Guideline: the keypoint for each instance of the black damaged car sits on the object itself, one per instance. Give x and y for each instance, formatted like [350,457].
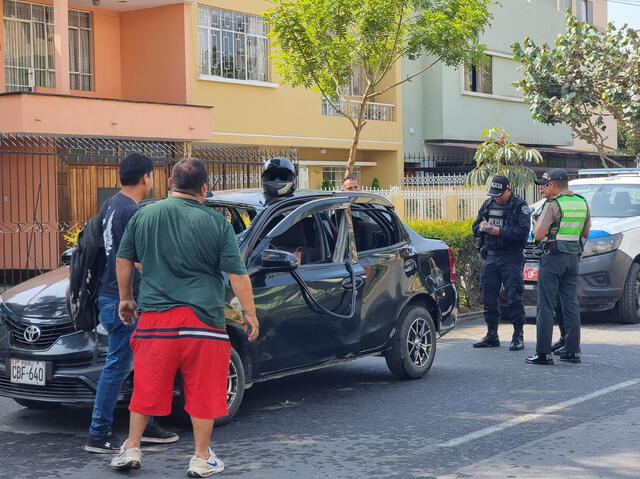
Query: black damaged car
[336,276]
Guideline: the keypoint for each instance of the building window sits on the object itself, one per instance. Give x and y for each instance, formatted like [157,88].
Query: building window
[479,78]
[29,54]
[80,64]
[335,174]
[585,11]
[29,47]
[233,45]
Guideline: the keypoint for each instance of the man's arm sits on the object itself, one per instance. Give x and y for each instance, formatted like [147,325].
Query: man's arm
[124,273]
[479,219]
[586,228]
[520,230]
[241,285]
[545,221]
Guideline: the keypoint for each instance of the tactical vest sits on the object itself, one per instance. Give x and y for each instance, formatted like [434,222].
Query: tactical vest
[497,215]
[573,216]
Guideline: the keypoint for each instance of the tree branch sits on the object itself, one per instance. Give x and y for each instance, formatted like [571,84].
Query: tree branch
[409,78]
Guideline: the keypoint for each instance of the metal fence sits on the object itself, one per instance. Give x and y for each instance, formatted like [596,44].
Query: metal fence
[50,186]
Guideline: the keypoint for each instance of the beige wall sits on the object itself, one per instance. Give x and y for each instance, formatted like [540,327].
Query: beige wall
[600,17]
[281,116]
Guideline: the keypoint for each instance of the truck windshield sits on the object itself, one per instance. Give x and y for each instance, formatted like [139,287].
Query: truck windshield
[611,200]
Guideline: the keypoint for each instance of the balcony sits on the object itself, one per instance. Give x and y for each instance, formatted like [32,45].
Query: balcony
[67,115]
[373,110]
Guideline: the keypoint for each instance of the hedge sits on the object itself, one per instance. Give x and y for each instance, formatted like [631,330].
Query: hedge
[459,236]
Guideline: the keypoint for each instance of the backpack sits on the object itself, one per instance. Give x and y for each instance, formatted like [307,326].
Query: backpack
[87,262]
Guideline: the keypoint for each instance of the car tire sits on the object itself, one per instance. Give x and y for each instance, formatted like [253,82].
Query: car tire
[33,404]
[414,344]
[627,307]
[235,388]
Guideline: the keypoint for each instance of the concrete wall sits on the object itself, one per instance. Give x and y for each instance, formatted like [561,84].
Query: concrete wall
[445,111]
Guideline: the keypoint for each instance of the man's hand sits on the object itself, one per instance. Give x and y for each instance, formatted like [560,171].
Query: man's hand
[128,311]
[251,326]
[495,231]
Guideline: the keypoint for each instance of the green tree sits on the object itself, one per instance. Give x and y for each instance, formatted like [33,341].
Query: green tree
[498,155]
[319,44]
[588,76]
[327,184]
[375,184]
[628,141]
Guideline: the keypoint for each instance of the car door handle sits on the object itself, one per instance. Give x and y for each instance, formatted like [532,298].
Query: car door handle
[346,283]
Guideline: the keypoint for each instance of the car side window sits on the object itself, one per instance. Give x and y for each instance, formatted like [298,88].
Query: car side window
[374,228]
[306,240]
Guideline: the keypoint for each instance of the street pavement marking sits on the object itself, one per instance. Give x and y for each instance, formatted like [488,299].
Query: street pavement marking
[530,417]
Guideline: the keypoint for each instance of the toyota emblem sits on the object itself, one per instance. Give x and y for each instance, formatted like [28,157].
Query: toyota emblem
[32,334]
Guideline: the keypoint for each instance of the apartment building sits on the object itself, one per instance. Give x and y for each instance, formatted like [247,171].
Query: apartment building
[83,82]
[447,109]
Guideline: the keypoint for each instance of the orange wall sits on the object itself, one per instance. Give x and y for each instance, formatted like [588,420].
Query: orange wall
[29,193]
[154,62]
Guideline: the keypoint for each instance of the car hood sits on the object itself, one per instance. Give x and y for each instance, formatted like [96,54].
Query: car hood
[614,225]
[40,297]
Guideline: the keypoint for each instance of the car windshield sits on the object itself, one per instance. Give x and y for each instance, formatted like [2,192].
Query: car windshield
[611,200]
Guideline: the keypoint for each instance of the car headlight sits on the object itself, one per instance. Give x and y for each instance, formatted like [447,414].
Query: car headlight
[604,244]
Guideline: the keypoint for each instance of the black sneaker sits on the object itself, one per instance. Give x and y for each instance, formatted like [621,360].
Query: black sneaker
[154,433]
[103,445]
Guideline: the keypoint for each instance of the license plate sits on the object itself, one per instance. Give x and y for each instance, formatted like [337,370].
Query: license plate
[530,272]
[28,372]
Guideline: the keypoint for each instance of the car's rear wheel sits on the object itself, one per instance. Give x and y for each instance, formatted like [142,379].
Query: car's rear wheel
[414,344]
[627,307]
[33,404]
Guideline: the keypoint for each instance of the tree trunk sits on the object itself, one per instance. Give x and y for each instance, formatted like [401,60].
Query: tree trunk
[360,122]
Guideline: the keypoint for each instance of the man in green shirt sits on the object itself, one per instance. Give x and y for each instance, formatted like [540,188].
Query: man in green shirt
[183,247]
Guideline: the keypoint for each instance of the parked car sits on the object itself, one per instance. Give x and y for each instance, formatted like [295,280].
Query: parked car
[336,276]
[609,275]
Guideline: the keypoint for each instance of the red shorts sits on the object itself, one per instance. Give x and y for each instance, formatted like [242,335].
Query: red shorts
[173,340]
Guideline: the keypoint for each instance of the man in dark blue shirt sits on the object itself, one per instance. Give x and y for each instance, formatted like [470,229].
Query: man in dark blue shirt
[136,179]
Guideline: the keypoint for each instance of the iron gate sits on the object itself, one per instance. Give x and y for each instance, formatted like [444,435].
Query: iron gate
[50,186]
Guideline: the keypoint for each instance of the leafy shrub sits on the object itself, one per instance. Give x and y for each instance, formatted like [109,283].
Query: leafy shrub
[375,184]
[327,184]
[459,236]
[71,236]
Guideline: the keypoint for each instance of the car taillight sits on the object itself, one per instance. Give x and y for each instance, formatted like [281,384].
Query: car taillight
[452,265]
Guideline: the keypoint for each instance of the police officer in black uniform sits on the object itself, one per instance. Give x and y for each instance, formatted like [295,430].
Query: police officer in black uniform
[502,227]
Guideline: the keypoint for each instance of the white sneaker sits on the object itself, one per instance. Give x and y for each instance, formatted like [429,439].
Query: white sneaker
[200,468]
[127,458]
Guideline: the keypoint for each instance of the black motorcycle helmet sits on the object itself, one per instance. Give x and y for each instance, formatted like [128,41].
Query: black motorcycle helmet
[279,177]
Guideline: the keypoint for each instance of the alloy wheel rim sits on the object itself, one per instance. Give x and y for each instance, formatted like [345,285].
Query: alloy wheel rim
[232,384]
[419,342]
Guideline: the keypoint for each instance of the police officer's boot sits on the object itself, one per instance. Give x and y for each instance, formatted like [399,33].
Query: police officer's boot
[517,340]
[491,339]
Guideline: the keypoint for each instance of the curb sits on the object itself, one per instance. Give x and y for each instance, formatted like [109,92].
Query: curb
[470,314]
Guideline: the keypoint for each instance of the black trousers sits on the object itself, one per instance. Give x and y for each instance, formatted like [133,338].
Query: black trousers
[498,271]
[558,281]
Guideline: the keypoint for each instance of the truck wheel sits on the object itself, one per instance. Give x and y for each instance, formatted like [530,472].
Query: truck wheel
[627,307]
[414,344]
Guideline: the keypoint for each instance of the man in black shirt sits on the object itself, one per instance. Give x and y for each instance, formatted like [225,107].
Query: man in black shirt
[136,179]
[502,227]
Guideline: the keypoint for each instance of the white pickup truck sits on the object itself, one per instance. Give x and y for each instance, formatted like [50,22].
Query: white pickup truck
[609,276]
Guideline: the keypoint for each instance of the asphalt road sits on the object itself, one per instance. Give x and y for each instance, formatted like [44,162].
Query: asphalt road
[477,414]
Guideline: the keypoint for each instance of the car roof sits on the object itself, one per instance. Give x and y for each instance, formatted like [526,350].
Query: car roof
[254,198]
[623,179]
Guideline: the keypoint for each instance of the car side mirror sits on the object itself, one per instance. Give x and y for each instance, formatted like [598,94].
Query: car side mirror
[278,260]
[65,258]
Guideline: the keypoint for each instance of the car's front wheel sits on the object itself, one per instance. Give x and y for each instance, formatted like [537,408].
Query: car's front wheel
[627,307]
[235,388]
[414,344]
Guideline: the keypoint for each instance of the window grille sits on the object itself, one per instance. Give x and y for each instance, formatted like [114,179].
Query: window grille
[335,174]
[233,44]
[29,54]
